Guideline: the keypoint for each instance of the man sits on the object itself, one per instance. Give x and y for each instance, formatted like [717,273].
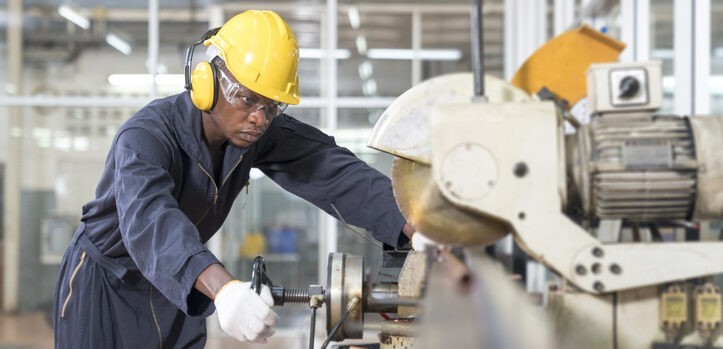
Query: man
[137,273]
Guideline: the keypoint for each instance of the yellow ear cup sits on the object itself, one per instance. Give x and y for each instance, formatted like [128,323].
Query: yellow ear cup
[203,86]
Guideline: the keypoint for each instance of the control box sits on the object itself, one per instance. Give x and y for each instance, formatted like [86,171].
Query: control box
[624,87]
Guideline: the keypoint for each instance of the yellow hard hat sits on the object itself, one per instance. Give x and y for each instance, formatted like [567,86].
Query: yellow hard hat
[261,52]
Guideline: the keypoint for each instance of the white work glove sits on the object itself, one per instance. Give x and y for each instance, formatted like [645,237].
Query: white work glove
[244,314]
[419,241]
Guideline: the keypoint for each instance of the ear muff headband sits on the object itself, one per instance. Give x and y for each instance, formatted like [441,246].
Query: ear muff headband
[201,82]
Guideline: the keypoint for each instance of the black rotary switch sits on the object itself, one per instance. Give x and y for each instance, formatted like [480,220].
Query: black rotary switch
[629,87]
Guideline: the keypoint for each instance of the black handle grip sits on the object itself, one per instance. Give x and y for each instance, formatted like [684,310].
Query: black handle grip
[258,274]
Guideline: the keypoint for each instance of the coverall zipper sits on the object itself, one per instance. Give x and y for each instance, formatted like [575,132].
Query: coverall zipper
[70,283]
[216,187]
[155,319]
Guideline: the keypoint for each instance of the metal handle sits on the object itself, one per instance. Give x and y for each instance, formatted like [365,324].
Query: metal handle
[258,274]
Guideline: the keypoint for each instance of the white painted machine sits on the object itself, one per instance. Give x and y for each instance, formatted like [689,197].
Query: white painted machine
[470,172]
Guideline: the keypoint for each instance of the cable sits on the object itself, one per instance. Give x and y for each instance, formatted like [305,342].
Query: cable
[349,307]
[313,328]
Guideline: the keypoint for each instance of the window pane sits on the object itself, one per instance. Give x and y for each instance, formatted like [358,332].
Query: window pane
[378,45]
[661,34]
[716,60]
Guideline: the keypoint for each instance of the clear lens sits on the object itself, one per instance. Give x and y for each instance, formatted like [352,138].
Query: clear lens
[243,99]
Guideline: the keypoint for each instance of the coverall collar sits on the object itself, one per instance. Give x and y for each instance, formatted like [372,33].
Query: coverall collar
[188,127]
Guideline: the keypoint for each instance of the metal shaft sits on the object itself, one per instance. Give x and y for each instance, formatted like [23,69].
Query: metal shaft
[477,48]
[296,295]
[382,297]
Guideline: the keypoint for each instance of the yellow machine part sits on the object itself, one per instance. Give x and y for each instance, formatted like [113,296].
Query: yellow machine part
[560,64]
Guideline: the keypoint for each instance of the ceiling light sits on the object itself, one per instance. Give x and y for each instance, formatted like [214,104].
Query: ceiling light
[145,79]
[317,53]
[119,43]
[369,88]
[365,70]
[354,18]
[426,54]
[74,16]
[361,44]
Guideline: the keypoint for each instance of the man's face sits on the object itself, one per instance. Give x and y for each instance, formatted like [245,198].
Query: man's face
[239,127]
[240,115]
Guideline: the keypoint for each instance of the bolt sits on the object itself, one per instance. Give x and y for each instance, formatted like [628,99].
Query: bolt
[580,269]
[598,286]
[316,290]
[521,215]
[521,169]
[597,252]
[615,269]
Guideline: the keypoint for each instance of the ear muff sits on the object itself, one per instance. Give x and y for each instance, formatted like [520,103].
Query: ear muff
[201,82]
[204,86]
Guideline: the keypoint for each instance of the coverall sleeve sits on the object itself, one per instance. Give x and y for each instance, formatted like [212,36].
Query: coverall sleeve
[308,163]
[163,242]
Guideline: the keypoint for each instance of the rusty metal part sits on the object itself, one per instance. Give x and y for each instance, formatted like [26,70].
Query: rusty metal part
[397,334]
[411,282]
[424,206]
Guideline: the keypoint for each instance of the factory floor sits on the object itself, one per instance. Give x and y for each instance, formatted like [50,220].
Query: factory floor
[31,331]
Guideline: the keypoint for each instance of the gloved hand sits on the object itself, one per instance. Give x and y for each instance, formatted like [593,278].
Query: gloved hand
[419,241]
[244,314]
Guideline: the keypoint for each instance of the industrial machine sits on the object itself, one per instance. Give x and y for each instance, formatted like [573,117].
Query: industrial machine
[469,172]
[509,167]
[474,165]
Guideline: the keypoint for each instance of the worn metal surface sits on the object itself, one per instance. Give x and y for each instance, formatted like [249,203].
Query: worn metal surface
[424,206]
[411,282]
[403,129]
[396,342]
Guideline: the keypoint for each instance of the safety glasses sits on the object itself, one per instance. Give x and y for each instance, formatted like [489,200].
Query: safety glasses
[243,99]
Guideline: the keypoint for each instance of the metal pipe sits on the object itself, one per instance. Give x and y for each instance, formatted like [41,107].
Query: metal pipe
[477,50]
[153,42]
[382,298]
[13,171]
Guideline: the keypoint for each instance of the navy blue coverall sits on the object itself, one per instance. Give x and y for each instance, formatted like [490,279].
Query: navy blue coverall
[127,278]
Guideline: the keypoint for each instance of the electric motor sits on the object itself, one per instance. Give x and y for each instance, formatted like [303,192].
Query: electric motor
[648,168]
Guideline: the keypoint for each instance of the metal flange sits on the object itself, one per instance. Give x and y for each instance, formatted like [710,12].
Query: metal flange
[345,275]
